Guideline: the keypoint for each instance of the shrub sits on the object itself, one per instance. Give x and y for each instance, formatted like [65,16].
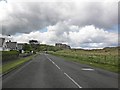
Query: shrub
[9,55]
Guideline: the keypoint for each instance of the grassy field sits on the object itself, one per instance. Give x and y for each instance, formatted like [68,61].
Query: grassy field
[14,64]
[103,58]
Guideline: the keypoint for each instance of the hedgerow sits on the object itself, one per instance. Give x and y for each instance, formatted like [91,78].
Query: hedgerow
[9,55]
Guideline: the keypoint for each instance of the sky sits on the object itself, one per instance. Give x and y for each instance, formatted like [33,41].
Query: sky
[80,24]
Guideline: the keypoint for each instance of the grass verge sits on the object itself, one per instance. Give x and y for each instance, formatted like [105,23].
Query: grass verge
[112,68]
[14,64]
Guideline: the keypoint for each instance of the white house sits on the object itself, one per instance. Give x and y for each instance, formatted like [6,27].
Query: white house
[8,45]
[3,46]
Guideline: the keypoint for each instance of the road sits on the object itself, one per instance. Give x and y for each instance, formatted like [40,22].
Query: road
[48,71]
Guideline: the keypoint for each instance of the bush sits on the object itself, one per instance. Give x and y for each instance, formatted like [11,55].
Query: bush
[9,55]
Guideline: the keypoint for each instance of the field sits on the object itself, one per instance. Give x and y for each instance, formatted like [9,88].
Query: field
[106,58]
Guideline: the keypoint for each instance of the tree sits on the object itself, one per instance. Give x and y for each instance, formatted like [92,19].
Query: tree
[27,47]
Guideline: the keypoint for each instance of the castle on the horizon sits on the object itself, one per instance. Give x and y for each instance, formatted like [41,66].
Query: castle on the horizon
[63,46]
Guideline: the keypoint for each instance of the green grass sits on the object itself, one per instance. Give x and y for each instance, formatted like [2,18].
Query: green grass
[98,65]
[107,60]
[14,64]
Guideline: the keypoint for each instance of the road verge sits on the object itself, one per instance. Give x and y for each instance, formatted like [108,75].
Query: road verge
[112,68]
[6,68]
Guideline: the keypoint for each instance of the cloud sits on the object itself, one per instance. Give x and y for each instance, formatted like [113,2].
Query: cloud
[84,37]
[26,17]
[79,24]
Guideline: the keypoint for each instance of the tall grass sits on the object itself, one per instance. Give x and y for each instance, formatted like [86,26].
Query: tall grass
[106,57]
[95,57]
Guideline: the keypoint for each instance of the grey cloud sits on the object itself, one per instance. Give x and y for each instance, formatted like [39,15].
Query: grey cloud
[27,17]
[102,15]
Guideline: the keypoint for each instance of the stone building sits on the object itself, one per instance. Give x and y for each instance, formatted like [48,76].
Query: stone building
[11,45]
[63,46]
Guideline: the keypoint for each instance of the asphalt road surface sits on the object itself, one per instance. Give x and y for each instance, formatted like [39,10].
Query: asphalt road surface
[48,71]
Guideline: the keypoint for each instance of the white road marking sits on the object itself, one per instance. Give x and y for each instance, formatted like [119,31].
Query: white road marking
[73,80]
[87,69]
[57,66]
[66,74]
[54,63]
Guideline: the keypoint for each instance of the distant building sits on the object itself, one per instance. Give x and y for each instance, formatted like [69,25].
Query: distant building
[3,46]
[11,45]
[58,45]
[63,46]
[20,47]
[2,40]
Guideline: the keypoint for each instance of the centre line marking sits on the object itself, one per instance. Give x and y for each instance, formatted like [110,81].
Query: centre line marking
[57,66]
[73,80]
[54,63]
[66,74]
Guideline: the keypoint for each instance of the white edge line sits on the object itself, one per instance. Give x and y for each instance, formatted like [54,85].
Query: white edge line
[73,80]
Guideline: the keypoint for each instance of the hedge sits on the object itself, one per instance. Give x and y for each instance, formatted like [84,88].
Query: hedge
[9,55]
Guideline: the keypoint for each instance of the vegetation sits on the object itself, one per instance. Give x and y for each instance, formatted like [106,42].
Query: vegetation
[9,55]
[14,59]
[44,47]
[106,58]
[39,47]
[27,47]
[14,64]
